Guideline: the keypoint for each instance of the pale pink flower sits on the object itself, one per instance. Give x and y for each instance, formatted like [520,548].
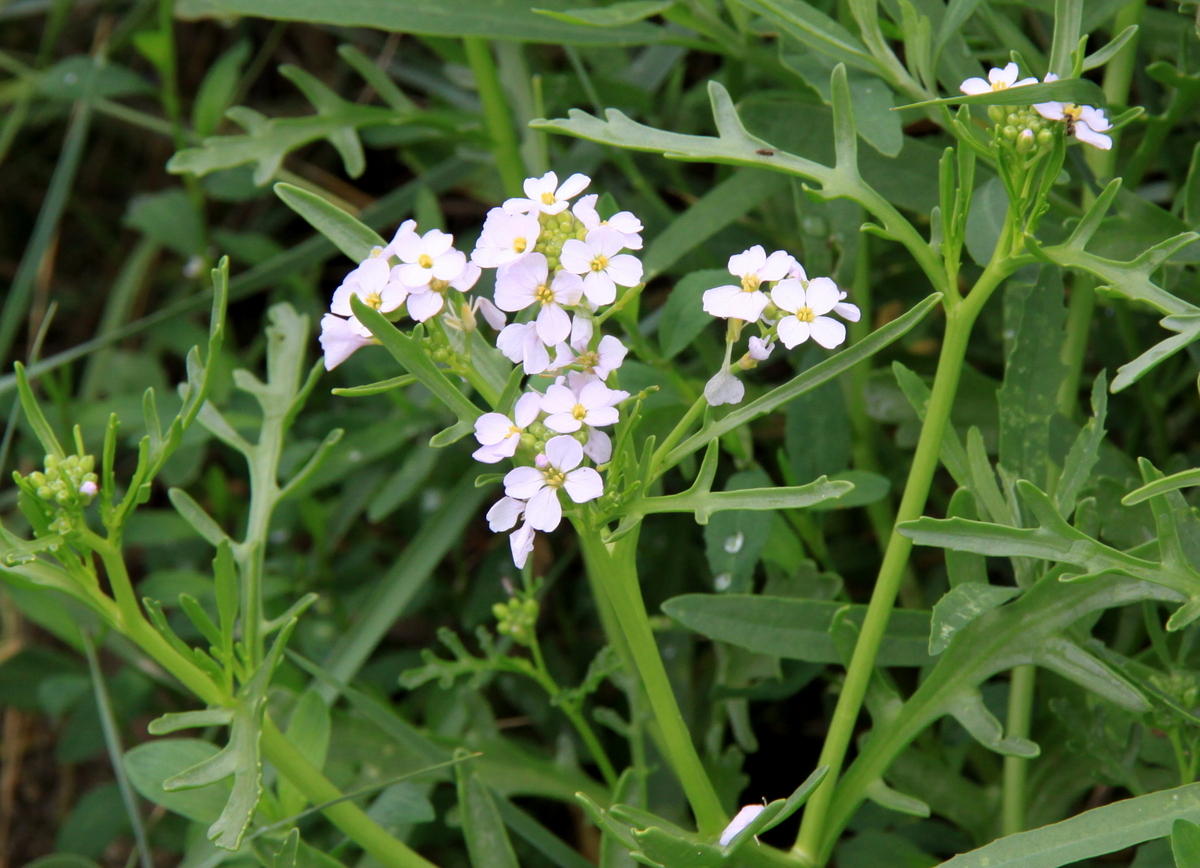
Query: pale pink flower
[538,486]
[598,259]
[340,338]
[806,306]
[499,436]
[528,282]
[623,222]
[747,302]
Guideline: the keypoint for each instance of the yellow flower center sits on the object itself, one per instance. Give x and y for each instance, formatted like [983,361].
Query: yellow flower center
[513,431]
[750,283]
[805,314]
[373,300]
[544,294]
[376,252]
[588,360]
[554,477]
[579,412]
[548,199]
[519,245]
[999,85]
[438,285]
[600,263]
[1072,111]
[425,260]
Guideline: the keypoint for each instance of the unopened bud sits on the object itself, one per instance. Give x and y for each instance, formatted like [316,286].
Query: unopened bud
[1010,133]
[1025,142]
[1044,138]
[89,489]
[996,113]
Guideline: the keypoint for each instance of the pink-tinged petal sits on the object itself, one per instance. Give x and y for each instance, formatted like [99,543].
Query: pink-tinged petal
[612,353]
[595,394]
[581,333]
[975,86]
[599,288]
[373,273]
[553,324]
[573,186]
[788,295]
[537,359]
[424,305]
[563,356]
[558,399]
[1089,136]
[492,314]
[436,242]
[777,266]
[520,206]
[625,269]
[1094,118]
[748,262]
[413,275]
[576,380]
[599,446]
[392,296]
[1051,111]
[724,388]
[526,410]
[564,453]
[583,484]
[512,295]
[760,350]
[521,543]
[600,417]
[556,208]
[496,452]
[468,278]
[544,511]
[585,210]
[576,256]
[511,341]
[562,423]
[491,428]
[567,288]
[822,294]
[798,272]
[504,514]
[626,222]
[449,266]
[341,299]
[847,311]
[828,332]
[340,339]
[792,331]
[739,822]
[523,482]
[1025,81]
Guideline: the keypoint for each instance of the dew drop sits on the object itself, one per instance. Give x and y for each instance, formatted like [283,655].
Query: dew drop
[723,581]
[734,543]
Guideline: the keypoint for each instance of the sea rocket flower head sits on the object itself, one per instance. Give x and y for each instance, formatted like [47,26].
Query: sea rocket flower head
[747,302]
[623,222]
[599,260]
[373,283]
[594,405]
[340,338]
[538,486]
[519,342]
[601,362]
[425,257]
[546,196]
[425,301]
[806,304]
[505,238]
[998,79]
[528,282]
[500,436]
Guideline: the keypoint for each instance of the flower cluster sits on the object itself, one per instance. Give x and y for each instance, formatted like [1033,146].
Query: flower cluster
[793,310]
[1025,128]
[66,486]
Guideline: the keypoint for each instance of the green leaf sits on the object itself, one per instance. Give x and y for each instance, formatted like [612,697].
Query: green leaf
[375,388]
[873,100]
[816,30]
[1084,452]
[169,218]
[1174,482]
[817,434]
[964,568]
[308,729]
[734,539]
[354,239]
[1185,843]
[218,89]
[79,76]
[483,827]
[1072,90]
[1092,833]
[154,762]
[33,413]
[683,316]
[985,220]
[490,19]
[794,628]
[95,820]
[194,514]
[962,605]
[868,488]
[614,15]
[1034,319]
[1191,190]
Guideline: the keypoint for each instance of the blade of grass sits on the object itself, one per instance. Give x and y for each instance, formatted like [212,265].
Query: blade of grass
[121,297]
[15,414]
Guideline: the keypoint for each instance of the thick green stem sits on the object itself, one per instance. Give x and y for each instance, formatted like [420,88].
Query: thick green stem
[613,567]
[815,837]
[1016,769]
[495,114]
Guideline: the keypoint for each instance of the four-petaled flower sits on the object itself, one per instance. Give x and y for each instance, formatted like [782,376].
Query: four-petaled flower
[1086,123]
[557,468]
[806,306]
[998,79]
[598,259]
[340,338]
[623,222]
[602,361]
[546,195]
[528,282]
[500,436]
[747,302]
[594,405]
[374,285]
[426,301]
[426,257]
[505,238]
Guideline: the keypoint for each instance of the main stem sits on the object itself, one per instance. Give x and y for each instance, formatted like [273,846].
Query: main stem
[614,568]
[1016,769]
[811,844]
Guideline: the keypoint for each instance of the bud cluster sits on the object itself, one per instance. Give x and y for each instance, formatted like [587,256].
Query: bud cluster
[517,619]
[1022,127]
[67,485]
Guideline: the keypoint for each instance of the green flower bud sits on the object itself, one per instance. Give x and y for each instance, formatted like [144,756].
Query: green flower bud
[996,113]
[1010,133]
[1025,142]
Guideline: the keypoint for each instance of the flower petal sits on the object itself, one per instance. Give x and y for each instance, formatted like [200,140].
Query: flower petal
[558,399]
[724,388]
[792,331]
[975,86]
[491,428]
[748,261]
[564,453]
[521,543]
[1051,111]
[523,482]
[599,446]
[573,186]
[504,514]
[789,295]
[583,484]
[777,266]
[847,311]
[423,305]
[544,511]
[497,451]
[602,416]
[828,332]
[732,301]
[822,294]
[625,269]
[526,409]
[553,324]
[562,423]
[576,256]
[1097,140]
[599,288]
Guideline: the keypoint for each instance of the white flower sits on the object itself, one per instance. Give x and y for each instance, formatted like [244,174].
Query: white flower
[602,361]
[744,817]
[374,285]
[521,543]
[527,282]
[724,388]
[500,436]
[747,301]
[594,405]
[545,194]
[505,238]
[599,260]
[998,79]
[558,468]
[623,222]
[425,301]
[341,337]
[426,257]
[520,343]
[760,349]
[505,513]
[806,306]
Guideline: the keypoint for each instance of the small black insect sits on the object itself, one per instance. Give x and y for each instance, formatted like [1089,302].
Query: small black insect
[765,152]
